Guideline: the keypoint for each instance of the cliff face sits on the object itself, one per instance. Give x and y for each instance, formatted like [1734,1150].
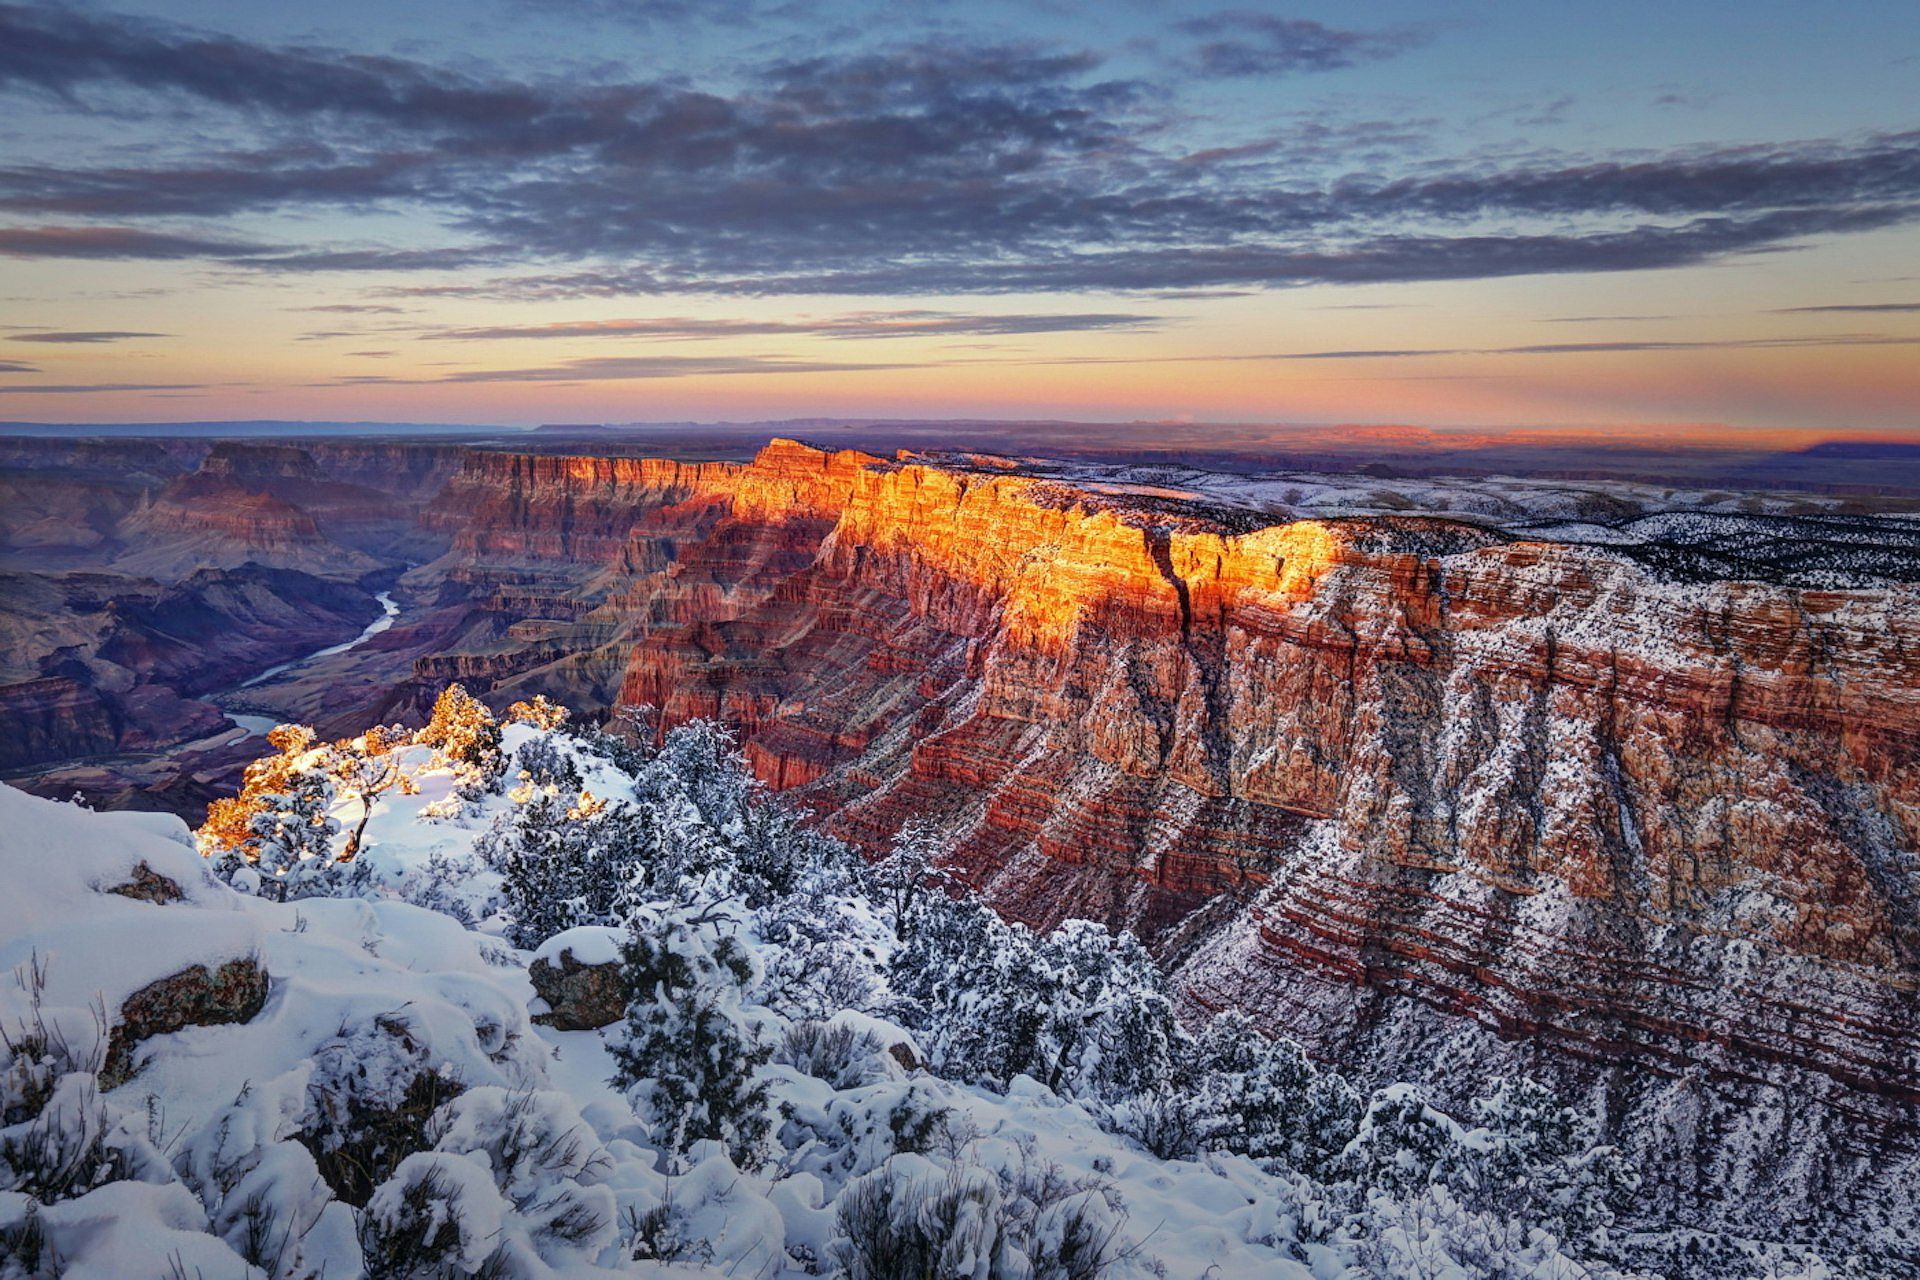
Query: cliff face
[1418,794]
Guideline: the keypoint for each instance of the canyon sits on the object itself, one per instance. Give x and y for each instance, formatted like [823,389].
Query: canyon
[1616,786]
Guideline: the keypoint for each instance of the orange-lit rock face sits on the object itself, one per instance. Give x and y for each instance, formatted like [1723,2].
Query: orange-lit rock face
[1361,778]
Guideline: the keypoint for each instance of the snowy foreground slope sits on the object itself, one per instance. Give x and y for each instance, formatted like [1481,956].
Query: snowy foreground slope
[822,1068]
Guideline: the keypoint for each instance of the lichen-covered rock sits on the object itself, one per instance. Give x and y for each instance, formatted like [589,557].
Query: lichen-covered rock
[580,997]
[148,885]
[194,997]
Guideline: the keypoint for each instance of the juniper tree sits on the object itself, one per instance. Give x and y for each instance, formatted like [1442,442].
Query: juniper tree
[364,769]
[910,872]
[466,736]
[688,1058]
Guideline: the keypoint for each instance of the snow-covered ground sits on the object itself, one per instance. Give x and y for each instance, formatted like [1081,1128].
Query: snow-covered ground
[392,1108]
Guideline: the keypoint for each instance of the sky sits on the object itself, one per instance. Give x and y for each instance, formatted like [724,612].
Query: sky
[1679,218]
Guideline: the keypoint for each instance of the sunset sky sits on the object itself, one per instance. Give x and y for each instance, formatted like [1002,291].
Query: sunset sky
[519,211]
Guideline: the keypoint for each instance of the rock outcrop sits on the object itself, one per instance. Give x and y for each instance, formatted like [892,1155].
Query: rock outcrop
[580,997]
[194,997]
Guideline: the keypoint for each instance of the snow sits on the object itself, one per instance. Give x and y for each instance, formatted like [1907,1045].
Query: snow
[532,1161]
[588,944]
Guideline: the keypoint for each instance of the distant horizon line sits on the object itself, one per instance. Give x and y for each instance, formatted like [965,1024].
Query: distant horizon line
[1729,434]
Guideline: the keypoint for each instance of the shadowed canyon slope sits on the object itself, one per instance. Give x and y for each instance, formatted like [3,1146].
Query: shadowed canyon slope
[1437,796]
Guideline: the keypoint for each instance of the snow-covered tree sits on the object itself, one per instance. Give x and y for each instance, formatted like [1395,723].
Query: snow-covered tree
[689,1056]
[292,833]
[545,762]
[464,734]
[1529,1162]
[1258,1096]
[1543,1163]
[973,986]
[364,769]
[1110,1029]
[563,862]
[228,830]
[910,871]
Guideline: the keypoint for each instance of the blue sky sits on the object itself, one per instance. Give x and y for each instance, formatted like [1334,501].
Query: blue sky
[512,210]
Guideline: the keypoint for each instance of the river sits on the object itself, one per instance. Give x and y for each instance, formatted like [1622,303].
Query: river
[388,612]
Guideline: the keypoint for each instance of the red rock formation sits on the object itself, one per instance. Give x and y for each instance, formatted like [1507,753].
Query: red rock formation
[1378,782]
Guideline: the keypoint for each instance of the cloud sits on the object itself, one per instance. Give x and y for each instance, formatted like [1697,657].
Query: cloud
[441,259]
[859,325]
[906,170]
[1240,42]
[85,336]
[356,308]
[86,388]
[1383,258]
[14,366]
[1533,349]
[115,242]
[1848,308]
[627,368]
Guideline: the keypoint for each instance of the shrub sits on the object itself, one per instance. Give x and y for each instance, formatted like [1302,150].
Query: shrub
[908,1220]
[464,734]
[843,1056]
[437,1215]
[688,1057]
[370,1099]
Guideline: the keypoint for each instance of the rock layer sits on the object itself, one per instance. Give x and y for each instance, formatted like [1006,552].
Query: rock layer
[1409,790]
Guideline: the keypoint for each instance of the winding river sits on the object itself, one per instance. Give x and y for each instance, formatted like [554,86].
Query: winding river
[388,612]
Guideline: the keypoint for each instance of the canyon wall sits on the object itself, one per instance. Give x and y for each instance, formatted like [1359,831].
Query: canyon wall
[1428,798]
[1438,801]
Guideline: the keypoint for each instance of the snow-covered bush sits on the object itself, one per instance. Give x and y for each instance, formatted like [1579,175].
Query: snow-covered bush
[58,1139]
[538,713]
[911,1218]
[439,1215]
[546,762]
[843,1055]
[546,1162]
[264,1195]
[373,1091]
[689,1054]
[466,738]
